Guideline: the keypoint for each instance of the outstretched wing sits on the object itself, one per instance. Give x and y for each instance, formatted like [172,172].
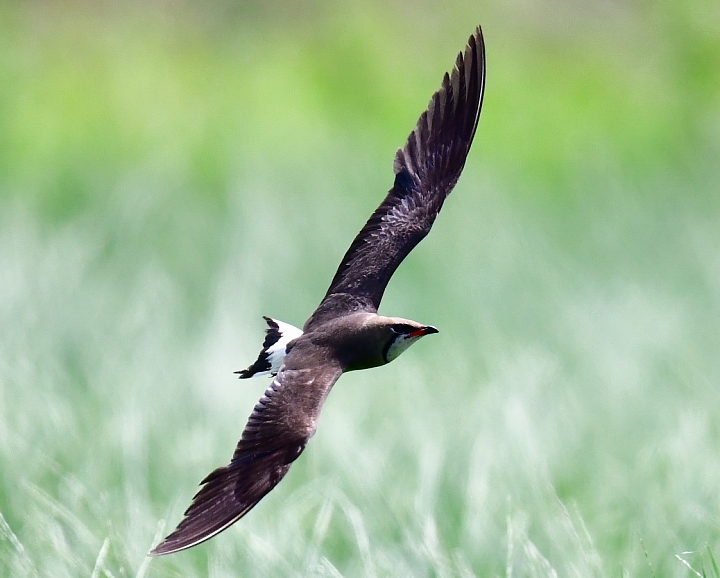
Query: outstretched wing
[426,170]
[281,424]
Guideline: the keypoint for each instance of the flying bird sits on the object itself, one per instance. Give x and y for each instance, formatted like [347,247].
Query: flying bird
[345,332]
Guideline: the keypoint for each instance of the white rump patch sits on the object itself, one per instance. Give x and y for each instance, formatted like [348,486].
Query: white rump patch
[275,347]
[276,353]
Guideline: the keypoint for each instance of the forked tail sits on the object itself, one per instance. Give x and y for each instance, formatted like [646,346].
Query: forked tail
[275,347]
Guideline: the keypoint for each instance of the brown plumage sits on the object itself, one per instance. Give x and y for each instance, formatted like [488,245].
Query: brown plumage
[345,332]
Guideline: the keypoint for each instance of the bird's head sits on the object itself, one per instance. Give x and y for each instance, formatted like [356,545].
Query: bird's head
[401,334]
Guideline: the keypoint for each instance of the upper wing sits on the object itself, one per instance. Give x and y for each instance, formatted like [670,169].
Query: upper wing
[426,170]
[275,435]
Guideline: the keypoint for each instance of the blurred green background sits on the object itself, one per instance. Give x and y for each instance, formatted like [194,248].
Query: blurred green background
[169,172]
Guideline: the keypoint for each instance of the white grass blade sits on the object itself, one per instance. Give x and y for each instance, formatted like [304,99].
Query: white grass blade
[687,564]
[147,560]
[100,560]
[354,516]
[7,534]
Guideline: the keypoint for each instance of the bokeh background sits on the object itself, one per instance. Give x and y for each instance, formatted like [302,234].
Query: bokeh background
[171,171]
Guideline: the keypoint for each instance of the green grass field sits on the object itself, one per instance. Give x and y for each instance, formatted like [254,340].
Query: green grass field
[171,172]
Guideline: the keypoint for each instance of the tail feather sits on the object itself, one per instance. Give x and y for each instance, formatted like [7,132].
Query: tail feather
[278,336]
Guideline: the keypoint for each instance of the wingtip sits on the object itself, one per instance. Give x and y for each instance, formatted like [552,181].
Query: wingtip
[451,118]
[161,549]
[180,540]
[171,544]
[478,38]
[155,552]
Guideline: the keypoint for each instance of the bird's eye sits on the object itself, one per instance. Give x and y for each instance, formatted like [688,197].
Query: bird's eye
[400,328]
